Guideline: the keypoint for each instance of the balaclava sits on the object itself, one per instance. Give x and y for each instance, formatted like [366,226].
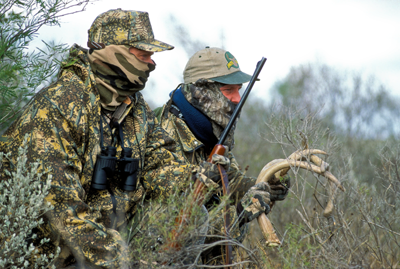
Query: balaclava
[118,74]
[206,96]
[205,73]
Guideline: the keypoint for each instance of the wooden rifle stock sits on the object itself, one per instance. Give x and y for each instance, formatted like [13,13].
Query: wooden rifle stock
[221,150]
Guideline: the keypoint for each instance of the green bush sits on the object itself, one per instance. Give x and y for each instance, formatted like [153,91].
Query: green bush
[363,231]
[24,71]
[21,206]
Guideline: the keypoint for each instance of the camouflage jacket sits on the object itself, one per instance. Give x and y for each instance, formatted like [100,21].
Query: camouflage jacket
[63,124]
[194,151]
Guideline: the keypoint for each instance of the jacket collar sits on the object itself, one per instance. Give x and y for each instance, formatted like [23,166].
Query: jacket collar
[188,141]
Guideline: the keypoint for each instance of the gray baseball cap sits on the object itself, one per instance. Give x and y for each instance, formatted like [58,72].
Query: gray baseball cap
[214,64]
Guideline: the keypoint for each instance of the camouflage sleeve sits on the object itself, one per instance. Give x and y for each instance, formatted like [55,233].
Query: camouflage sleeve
[164,170]
[59,128]
[158,111]
[240,182]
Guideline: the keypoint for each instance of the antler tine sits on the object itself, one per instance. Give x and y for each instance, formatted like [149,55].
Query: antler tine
[297,155]
[320,163]
[267,174]
[308,153]
[279,167]
[329,207]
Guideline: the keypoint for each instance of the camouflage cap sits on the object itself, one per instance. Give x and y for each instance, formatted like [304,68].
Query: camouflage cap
[214,64]
[124,27]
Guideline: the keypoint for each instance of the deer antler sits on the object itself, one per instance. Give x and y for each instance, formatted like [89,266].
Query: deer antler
[305,159]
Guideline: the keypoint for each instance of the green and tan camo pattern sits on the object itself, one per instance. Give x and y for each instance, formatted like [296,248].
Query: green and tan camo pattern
[256,201]
[193,150]
[207,97]
[126,27]
[114,86]
[63,124]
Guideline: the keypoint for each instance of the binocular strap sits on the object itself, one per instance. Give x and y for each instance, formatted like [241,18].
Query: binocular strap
[114,203]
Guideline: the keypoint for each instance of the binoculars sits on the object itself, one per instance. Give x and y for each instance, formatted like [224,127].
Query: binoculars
[106,165]
[128,169]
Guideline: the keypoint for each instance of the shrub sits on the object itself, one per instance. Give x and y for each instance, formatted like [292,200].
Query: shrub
[21,206]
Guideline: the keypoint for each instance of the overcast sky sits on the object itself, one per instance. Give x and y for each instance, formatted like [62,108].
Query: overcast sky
[352,35]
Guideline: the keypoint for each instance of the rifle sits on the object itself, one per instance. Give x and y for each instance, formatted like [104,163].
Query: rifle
[199,188]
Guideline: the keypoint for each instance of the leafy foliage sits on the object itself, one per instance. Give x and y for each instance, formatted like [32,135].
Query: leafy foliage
[23,71]
[353,120]
[151,235]
[21,207]
[319,105]
[351,105]
[153,242]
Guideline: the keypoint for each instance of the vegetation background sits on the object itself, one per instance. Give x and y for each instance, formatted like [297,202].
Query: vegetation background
[353,118]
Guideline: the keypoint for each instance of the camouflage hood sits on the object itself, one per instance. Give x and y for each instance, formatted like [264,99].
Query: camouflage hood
[208,98]
[118,74]
[113,80]
[77,62]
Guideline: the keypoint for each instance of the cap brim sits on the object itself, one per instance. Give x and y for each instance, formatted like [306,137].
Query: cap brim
[238,77]
[154,45]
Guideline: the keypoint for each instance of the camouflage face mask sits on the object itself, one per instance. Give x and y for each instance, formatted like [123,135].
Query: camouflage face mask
[118,74]
[208,98]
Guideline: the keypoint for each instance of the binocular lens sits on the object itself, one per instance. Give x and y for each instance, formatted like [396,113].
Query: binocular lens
[128,169]
[105,166]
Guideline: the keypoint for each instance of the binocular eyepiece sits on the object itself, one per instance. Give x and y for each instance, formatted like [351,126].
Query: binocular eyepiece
[106,165]
[128,169]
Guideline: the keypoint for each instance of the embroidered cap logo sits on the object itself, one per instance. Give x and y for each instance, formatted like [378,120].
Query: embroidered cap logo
[232,62]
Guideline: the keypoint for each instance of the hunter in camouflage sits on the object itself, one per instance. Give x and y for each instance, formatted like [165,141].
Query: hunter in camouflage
[195,116]
[94,105]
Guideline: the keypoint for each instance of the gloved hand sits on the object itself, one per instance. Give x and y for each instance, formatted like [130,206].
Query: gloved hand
[221,160]
[209,174]
[254,202]
[279,188]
